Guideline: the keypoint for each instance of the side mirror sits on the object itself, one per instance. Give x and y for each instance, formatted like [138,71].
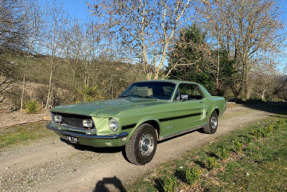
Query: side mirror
[184,97]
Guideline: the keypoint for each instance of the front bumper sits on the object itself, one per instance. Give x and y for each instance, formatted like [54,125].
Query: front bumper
[92,140]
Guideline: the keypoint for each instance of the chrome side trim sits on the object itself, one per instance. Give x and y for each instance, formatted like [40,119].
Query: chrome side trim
[179,133]
[85,136]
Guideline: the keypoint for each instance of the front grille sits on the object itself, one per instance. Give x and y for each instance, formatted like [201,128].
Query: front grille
[74,121]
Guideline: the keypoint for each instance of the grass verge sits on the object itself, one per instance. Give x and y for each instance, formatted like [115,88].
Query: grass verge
[250,159]
[21,134]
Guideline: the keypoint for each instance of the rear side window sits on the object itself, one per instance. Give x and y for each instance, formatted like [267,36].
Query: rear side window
[191,90]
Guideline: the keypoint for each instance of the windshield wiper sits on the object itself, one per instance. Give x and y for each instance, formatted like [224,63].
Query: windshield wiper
[152,97]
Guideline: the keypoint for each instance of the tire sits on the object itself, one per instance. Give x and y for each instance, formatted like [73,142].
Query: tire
[212,125]
[141,147]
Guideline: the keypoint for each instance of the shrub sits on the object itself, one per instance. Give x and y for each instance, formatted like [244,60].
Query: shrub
[192,175]
[89,93]
[211,163]
[257,134]
[248,138]
[170,184]
[223,153]
[237,146]
[31,106]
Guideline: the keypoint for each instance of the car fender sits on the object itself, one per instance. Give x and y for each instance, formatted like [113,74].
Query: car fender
[147,119]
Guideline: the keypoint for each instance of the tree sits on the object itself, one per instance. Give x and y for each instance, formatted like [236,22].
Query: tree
[145,29]
[244,29]
[34,24]
[14,37]
[54,43]
[262,78]
[193,59]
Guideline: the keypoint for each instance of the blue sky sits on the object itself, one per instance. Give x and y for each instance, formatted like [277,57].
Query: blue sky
[79,9]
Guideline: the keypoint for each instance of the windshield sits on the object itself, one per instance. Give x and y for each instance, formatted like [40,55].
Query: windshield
[156,90]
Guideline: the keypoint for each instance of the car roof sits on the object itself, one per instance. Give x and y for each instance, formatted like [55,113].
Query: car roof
[169,81]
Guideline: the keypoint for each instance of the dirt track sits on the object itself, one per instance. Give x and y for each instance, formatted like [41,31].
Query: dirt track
[52,165]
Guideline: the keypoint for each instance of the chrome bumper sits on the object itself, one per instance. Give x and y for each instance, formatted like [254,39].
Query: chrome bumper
[85,136]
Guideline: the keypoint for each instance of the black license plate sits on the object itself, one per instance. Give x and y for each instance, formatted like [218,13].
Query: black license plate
[74,140]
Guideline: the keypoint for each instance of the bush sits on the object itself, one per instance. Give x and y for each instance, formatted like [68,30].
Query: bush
[211,163]
[192,175]
[237,146]
[223,153]
[31,106]
[257,134]
[170,184]
[89,93]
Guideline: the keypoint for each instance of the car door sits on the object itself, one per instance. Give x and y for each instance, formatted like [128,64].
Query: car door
[189,107]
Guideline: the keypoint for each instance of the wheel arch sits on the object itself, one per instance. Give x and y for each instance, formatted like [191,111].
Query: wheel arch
[152,121]
[216,110]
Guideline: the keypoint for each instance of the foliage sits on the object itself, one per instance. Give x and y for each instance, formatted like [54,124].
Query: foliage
[31,106]
[192,175]
[192,59]
[223,152]
[170,184]
[237,146]
[211,163]
[89,93]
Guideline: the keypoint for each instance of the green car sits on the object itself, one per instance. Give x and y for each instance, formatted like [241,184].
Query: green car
[145,113]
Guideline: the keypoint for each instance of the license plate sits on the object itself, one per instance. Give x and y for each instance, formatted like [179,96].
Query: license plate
[74,140]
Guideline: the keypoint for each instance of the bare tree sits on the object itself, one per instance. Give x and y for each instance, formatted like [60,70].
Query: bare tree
[243,28]
[145,29]
[34,24]
[13,38]
[54,43]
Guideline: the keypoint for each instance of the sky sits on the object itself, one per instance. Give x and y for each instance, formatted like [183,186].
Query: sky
[79,9]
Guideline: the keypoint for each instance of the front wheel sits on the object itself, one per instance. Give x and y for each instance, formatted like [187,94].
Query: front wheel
[141,147]
[212,125]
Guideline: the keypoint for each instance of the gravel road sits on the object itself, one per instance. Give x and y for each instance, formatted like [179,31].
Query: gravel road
[51,165]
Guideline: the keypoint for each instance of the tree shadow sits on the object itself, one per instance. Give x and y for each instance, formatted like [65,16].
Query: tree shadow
[271,107]
[102,186]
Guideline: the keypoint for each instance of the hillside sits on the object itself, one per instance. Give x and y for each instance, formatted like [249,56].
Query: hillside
[110,78]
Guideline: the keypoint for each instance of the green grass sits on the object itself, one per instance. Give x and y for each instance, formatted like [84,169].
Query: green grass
[240,161]
[22,134]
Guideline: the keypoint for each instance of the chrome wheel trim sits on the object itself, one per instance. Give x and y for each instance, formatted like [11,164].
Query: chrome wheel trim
[146,144]
[213,122]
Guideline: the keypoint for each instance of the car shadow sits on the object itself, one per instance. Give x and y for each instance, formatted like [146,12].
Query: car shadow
[113,182]
[94,149]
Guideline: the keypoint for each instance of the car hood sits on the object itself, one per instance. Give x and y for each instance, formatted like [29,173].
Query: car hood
[107,107]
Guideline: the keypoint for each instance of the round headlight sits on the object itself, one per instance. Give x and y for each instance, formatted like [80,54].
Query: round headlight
[58,118]
[114,125]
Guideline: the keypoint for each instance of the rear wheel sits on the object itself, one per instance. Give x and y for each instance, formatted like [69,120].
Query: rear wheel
[141,147]
[212,125]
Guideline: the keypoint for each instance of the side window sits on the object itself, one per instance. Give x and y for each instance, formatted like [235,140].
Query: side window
[192,91]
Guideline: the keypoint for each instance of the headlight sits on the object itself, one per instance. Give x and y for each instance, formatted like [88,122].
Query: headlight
[88,123]
[58,118]
[114,125]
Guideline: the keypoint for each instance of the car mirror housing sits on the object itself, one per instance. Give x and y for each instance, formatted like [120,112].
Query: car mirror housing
[184,97]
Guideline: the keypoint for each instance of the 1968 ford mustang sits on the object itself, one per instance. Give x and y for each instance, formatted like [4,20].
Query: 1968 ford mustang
[147,112]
